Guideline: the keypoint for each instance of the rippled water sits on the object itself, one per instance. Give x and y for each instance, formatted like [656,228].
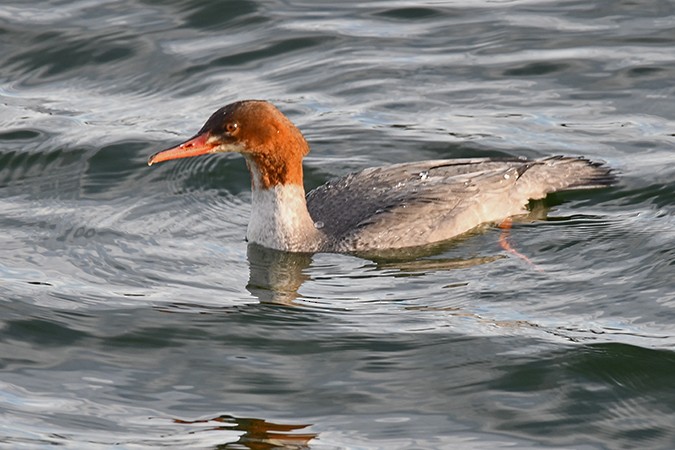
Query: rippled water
[134,315]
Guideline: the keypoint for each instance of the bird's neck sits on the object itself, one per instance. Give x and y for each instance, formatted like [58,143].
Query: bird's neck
[279,215]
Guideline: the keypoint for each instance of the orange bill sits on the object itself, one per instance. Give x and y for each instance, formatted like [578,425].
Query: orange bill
[196,146]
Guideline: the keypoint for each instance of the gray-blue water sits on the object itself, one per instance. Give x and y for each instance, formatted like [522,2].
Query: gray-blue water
[133,315]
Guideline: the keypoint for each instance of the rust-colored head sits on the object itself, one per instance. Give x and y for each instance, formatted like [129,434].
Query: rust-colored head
[272,145]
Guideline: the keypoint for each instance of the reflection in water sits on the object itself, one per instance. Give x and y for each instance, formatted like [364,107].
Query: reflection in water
[276,276]
[258,433]
[423,265]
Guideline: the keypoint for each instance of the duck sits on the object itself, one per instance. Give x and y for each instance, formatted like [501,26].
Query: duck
[397,206]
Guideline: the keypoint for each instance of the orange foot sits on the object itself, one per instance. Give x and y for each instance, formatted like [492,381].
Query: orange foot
[505,226]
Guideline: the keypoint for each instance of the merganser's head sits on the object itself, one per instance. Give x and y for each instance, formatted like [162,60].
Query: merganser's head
[272,145]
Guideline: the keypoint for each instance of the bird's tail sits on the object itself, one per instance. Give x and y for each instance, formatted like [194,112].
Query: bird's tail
[561,173]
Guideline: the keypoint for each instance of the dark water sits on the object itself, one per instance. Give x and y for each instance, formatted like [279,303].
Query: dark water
[133,315]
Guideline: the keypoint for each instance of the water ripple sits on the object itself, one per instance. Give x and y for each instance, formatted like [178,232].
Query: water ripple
[134,313]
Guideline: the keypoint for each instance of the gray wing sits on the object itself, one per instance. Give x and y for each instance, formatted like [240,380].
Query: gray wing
[413,204]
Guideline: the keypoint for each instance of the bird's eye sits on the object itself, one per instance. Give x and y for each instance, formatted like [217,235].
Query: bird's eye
[232,127]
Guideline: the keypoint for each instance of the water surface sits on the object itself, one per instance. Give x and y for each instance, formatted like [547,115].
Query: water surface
[133,314]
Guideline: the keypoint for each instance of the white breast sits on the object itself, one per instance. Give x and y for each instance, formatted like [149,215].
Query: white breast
[279,220]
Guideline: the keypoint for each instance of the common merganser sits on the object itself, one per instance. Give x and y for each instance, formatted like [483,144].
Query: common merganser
[380,208]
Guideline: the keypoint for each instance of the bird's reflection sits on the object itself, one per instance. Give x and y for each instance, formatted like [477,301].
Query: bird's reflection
[259,434]
[276,276]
